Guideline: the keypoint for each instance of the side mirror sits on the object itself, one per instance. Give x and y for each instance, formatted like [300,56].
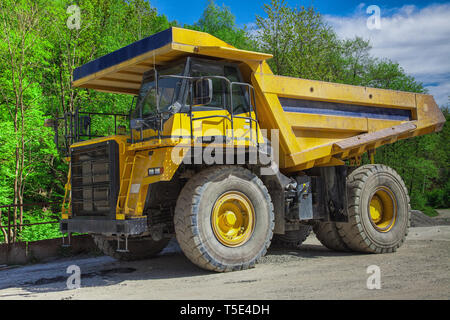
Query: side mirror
[136,124]
[203,92]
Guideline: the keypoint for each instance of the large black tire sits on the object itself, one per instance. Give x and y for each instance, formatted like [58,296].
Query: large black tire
[193,219]
[139,249]
[362,233]
[327,233]
[291,239]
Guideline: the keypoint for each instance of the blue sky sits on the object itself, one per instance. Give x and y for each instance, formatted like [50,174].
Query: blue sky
[414,33]
[245,10]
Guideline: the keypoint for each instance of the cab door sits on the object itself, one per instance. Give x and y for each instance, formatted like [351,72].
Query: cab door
[241,107]
[245,124]
[230,115]
[211,121]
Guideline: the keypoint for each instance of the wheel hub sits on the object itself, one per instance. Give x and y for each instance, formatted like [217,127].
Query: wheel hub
[376,209]
[230,218]
[383,210]
[233,219]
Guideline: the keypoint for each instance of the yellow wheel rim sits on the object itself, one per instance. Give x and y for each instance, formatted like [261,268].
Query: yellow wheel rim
[383,210]
[233,219]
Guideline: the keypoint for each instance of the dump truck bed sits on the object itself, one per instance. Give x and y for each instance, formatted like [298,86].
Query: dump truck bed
[319,123]
[325,123]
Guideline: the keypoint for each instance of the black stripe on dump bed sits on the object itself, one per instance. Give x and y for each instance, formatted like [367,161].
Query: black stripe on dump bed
[345,110]
[135,49]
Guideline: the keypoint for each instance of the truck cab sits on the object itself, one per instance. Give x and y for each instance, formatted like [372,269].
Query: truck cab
[193,88]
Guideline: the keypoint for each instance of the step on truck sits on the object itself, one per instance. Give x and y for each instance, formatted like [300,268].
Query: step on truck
[230,158]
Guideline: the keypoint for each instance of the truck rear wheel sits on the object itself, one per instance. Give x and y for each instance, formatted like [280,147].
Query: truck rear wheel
[378,210]
[139,249]
[328,235]
[292,239]
[224,219]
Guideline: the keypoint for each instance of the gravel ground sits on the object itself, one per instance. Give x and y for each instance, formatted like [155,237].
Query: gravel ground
[419,270]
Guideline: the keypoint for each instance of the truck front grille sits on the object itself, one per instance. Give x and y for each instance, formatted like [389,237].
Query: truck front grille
[95,179]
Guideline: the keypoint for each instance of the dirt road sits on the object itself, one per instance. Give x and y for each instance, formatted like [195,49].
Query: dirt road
[419,270]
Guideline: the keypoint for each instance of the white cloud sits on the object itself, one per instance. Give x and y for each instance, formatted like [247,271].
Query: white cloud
[418,39]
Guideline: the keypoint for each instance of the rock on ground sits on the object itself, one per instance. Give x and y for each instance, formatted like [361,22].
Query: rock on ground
[420,219]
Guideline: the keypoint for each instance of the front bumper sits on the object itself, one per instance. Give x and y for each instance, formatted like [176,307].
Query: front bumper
[132,227]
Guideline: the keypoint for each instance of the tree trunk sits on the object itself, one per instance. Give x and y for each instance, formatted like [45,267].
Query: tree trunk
[3,229]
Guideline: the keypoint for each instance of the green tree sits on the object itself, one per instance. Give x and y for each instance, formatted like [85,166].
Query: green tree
[22,51]
[302,43]
[221,23]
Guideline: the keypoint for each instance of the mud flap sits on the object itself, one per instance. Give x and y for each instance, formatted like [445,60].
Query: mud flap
[330,194]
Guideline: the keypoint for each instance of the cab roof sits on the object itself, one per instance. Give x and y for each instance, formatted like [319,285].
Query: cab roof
[121,71]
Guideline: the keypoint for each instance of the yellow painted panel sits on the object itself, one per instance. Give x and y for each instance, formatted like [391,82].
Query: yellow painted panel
[115,83]
[335,92]
[167,158]
[337,123]
[326,122]
[428,113]
[301,158]
[232,53]
[139,171]
[196,38]
[309,139]
[272,116]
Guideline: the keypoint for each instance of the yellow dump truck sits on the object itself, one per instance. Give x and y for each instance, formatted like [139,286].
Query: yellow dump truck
[230,158]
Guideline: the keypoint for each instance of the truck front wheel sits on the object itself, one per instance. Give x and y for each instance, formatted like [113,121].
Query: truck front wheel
[378,210]
[224,219]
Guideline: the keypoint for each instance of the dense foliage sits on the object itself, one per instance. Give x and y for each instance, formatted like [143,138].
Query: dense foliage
[38,53]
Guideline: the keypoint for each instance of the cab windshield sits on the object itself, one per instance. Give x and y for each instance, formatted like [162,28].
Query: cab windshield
[168,92]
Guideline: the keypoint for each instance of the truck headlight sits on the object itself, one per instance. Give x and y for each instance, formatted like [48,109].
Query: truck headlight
[155,171]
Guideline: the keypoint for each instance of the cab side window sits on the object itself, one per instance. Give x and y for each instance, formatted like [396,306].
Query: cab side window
[240,94]
[221,96]
[219,87]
